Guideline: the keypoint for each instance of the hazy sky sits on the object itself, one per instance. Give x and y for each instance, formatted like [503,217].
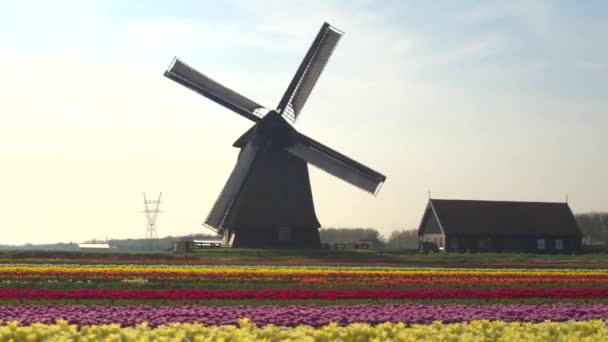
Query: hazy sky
[477,100]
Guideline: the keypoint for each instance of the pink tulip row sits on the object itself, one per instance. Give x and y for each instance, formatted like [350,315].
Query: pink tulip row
[313,315]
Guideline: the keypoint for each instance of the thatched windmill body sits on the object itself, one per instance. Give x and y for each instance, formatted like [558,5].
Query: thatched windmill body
[267,201]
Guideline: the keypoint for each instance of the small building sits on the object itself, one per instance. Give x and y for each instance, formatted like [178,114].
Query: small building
[499,226]
[93,246]
[185,246]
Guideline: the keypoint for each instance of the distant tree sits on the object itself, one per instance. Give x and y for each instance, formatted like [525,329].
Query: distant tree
[351,236]
[594,226]
[403,239]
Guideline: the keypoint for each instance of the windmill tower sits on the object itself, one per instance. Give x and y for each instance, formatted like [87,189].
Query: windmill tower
[151,210]
[267,200]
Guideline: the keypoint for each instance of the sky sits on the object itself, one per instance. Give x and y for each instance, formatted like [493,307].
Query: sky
[496,100]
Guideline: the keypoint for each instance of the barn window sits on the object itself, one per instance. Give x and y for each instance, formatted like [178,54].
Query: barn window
[559,244]
[540,244]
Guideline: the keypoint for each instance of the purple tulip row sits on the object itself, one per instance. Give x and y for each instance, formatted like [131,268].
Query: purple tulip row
[297,315]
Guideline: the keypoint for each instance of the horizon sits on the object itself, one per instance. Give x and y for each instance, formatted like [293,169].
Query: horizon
[499,100]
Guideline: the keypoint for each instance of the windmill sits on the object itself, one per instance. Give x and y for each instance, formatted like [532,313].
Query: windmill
[267,201]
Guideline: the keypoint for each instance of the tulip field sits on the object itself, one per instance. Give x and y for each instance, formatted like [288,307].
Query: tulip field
[57,300]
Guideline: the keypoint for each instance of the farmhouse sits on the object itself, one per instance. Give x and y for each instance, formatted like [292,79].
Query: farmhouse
[476,226]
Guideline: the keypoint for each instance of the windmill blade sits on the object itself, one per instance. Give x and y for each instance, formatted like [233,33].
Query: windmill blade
[223,205]
[309,72]
[185,75]
[336,164]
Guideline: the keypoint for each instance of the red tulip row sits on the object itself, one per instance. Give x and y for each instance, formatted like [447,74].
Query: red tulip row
[299,294]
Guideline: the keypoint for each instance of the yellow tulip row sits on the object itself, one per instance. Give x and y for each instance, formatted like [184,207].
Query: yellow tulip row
[472,331]
[42,270]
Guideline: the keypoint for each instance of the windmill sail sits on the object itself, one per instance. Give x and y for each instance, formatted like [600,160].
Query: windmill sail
[336,164]
[183,74]
[223,205]
[309,72]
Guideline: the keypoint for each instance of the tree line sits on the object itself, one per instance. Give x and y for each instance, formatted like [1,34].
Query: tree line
[397,239]
[594,226]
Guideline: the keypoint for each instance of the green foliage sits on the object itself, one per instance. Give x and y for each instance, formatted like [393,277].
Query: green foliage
[406,239]
[317,258]
[594,226]
[351,236]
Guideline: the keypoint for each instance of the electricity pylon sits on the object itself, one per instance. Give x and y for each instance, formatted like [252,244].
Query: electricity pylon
[151,210]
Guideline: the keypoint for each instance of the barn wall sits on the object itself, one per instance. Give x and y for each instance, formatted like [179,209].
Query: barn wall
[437,239]
[524,244]
[430,233]
[430,224]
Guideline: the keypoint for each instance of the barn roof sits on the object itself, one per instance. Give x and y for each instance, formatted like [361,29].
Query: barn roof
[471,217]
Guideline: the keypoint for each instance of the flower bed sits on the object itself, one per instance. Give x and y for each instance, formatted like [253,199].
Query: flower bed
[174,300]
[295,315]
[473,331]
[300,294]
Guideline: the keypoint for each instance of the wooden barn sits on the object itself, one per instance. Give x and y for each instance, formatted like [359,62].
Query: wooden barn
[499,226]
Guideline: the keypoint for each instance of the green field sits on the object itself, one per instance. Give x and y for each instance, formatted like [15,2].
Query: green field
[320,257]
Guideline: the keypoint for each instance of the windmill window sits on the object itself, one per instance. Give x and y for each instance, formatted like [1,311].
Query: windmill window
[559,244]
[540,244]
[284,234]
